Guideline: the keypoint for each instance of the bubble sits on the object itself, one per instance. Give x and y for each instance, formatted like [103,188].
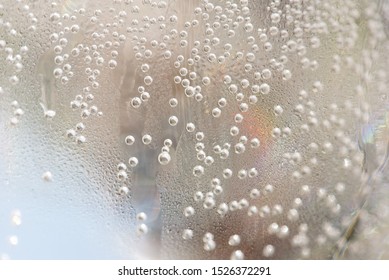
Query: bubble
[206,81]
[190,127]
[146,139]
[112,64]
[293,215]
[16,218]
[136,102]
[238,118]
[254,193]
[199,146]
[148,80]
[264,88]
[209,245]
[209,203]
[286,75]
[55,17]
[129,140]
[18,112]
[237,255]
[224,153]
[189,211]
[253,172]
[133,161]
[47,176]
[240,148]
[216,112]
[198,171]
[13,240]
[253,99]
[173,120]
[234,131]
[187,234]
[267,46]
[253,210]
[168,142]
[218,190]
[200,136]
[164,158]
[269,189]
[276,132]
[255,143]
[173,102]
[278,110]
[234,240]
[268,251]
[227,173]
[14,80]
[142,229]
[141,216]
[243,107]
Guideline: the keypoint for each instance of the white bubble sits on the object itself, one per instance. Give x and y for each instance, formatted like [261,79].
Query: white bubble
[268,251]
[47,176]
[234,240]
[187,234]
[278,110]
[129,140]
[234,130]
[146,139]
[255,193]
[173,120]
[142,229]
[136,102]
[216,112]
[141,216]
[293,215]
[209,202]
[164,158]
[286,75]
[16,218]
[173,102]
[240,148]
[13,240]
[112,64]
[133,161]
[237,255]
[198,170]
[189,211]
[255,143]
[227,173]
[210,245]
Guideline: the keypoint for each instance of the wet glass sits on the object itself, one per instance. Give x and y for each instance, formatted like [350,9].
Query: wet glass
[140,129]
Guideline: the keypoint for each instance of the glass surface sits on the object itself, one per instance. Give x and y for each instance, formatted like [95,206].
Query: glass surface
[188,129]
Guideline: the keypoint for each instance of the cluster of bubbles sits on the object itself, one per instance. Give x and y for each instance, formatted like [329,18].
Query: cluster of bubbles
[245,114]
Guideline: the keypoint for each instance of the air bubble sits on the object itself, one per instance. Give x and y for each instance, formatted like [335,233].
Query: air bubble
[146,139]
[47,176]
[237,255]
[133,161]
[141,216]
[189,211]
[173,102]
[268,251]
[187,234]
[173,120]
[198,171]
[234,240]
[164,158]
[142,229]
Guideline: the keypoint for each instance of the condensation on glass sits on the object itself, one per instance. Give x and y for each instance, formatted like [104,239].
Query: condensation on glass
[140,129]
